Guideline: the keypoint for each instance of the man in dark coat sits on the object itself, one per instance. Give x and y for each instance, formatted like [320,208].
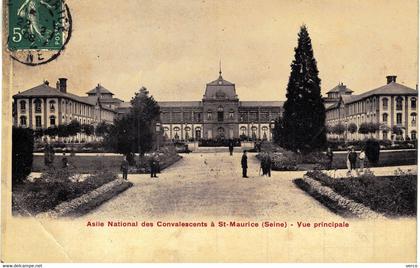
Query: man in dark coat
[352,158]
[124,167]
[244,164]
[231,147]
[330,156]
[267,164]
[153,166]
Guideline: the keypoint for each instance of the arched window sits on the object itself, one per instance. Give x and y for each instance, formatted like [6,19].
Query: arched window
[209,115]
[220,114]
[398,103]
[23,121]
[413,119]
[165,132]
[413,135]
[413,103]
[37,103]
[231,114]
[243,130]
[23,106]
[385,104]
[385,118]
[52,120]
[52,106]
[176,130]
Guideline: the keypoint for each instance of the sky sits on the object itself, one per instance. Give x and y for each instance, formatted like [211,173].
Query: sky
[173,48]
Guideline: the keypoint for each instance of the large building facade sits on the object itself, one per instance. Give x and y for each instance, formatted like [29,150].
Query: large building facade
[389,106]
[219,115]
[44,106]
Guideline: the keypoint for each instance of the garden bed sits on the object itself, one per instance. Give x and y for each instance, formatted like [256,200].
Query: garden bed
[392,196]
[54,187]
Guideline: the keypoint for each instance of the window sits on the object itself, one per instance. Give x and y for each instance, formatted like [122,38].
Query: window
[264,117]
[37,103]
[243,130]
[243,117]
[254,132]
[209,115]
[176,130]
[187,116]
[398,105]
[253,116]
[23,121]
[52,106]
[197,117]
[52,120]
[176,117]
[22,106]
[385,104]
[413,119]
[385,118]
[38,123]
[220,114]
[399,118]
[413,103]
[413,135]
[231,114]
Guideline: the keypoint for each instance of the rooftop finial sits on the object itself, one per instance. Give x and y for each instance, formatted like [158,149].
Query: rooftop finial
[220,67]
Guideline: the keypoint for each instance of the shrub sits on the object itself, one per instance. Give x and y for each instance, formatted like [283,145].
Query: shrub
[372,151]
[22,153]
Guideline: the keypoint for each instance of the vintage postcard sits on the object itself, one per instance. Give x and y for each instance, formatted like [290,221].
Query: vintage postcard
[209,131]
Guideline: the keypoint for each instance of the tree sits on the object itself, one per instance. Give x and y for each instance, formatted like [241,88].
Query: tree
[364,128]
[102,129]
[135,131]
[339,129]
[88,129]
[22,153]
[63,131]
[303,125]
[352,128]
[373,128]
[74,127]
[51,131]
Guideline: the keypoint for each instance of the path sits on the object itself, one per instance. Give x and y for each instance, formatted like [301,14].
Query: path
[210,185]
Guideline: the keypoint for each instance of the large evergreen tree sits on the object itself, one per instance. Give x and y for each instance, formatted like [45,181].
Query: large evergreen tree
[135,132]
[303,124]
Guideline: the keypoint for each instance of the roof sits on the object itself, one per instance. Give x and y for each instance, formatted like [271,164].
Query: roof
[179,103]
[261,103]
[124,105]
[220,89]
[101,89]
[44,90]
[340,88]
[392,88]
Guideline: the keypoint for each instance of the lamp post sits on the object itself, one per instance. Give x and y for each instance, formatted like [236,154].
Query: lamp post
[158,134]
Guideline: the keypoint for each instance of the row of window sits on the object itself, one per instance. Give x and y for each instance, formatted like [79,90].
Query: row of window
[38,121]
[220,116]
[70,108]
[398,118]
[399,103]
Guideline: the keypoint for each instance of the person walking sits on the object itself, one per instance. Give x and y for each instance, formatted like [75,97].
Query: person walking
[153,166]
[362,157]
[231,147]
[263,167]
[352,156]
[64,161]
[268,165]
[330,156]
[244,164]
[124,168]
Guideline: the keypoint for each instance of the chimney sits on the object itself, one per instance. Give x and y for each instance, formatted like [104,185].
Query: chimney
[62,82]
[391,78]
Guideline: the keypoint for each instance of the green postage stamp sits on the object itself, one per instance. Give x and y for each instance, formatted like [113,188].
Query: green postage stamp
[40,28]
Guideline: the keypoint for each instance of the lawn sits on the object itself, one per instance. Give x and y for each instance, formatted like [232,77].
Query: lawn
[54,187]
[393,196]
